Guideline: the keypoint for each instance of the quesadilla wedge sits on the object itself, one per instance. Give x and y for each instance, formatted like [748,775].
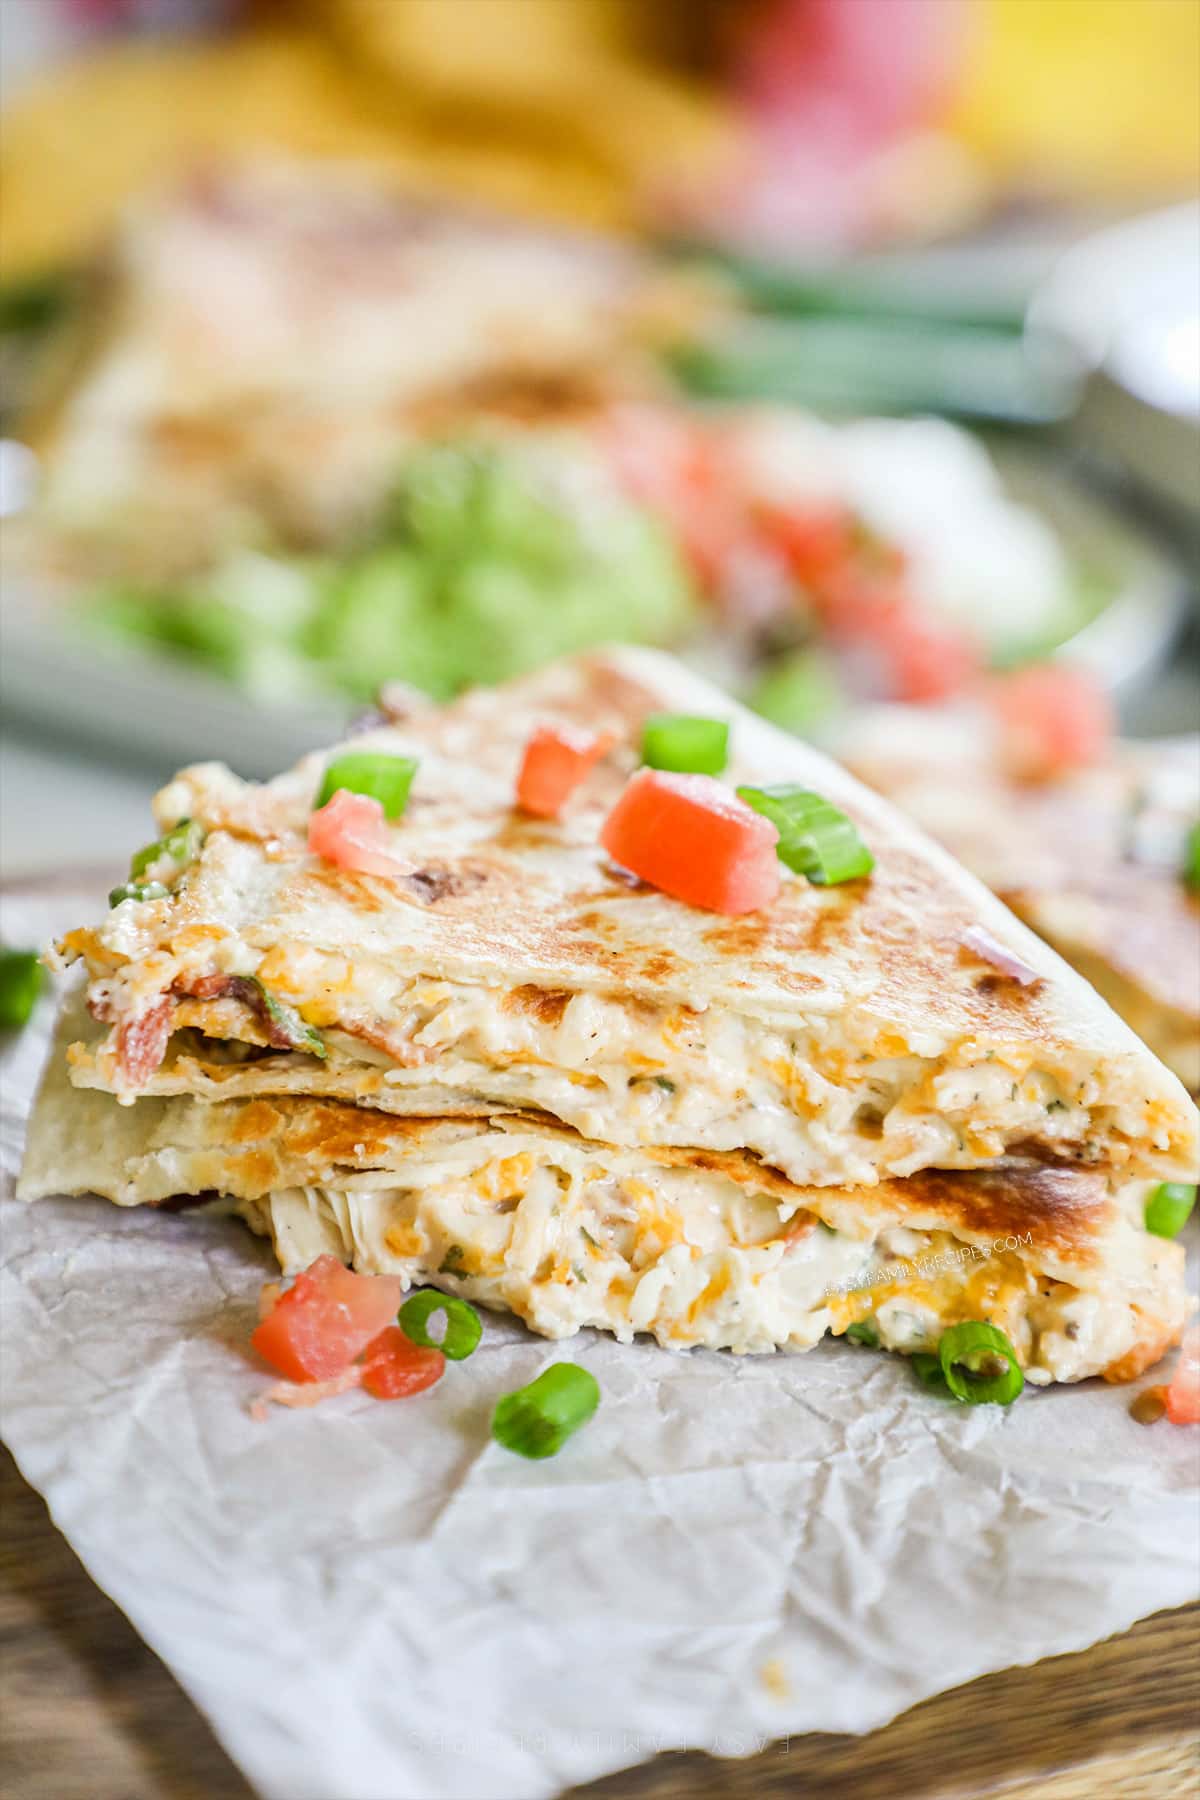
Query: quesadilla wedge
[842,1034]
[520,1213]
[1093,860]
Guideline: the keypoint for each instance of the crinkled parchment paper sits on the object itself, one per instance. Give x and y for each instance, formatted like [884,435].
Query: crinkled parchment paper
[373,1601]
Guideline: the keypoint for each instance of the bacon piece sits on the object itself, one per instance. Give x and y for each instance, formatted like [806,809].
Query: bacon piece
[142,1043]
[403,1052]
[209,987]
[278,1029]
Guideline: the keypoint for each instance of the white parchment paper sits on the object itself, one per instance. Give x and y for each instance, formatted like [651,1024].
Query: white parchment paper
[374,1602]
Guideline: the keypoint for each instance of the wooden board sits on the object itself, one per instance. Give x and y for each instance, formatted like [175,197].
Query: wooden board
[87,1712]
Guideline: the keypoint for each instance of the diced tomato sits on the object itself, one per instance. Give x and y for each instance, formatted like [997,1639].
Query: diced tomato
[556,760]
[695,840]
[682,471]
[1183,1395]
[393,1365]
[325,1319]
[813,540]
[1052,718]
[351,831]
[924,659]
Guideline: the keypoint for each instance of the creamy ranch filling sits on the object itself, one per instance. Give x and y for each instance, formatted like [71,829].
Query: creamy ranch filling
[810,1099]
[689,1257]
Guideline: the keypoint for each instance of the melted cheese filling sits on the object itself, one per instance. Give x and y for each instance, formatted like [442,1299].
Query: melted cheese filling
[821,1108]
[688,1256]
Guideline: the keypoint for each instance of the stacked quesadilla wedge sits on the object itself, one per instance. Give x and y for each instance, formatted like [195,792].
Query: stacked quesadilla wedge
[502,1064]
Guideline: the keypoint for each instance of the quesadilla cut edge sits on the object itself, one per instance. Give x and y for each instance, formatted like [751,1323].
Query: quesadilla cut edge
[693,1247]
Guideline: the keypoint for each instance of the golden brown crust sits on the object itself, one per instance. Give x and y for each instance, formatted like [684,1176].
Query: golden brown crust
[546,1005]
[1149,1349]
[1063,1208]
[329,1133]
[1053,1211]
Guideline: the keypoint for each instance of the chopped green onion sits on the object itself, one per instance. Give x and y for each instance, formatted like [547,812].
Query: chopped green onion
[21,981]
[537,1420]
[1169,1208]
[289,1023]
[799,692]
[383,778]
[181,844]
[863,1333]
[1191,858]
[815,838]
[979,1363]
[137,890]
[687,745]
[928,1370]
[461,1332]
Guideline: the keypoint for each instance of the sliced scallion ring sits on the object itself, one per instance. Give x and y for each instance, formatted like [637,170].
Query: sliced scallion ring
[182,844]
[462,1330]
[537,1420]
[979,1364]
[371,772]
[1169,1208]
[21,980]
[137,890]
[685,744]
[863,1333]
[928,1370]
[815,838]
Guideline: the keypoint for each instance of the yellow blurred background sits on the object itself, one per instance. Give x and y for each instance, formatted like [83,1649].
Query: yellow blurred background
[617,113]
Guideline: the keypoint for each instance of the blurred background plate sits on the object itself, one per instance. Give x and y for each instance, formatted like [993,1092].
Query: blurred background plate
[1130,640]
[156,709]
[1127,303]
[144,706]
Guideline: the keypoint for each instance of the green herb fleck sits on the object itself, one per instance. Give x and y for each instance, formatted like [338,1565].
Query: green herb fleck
[137,890]
[179,846]
[289,1024]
